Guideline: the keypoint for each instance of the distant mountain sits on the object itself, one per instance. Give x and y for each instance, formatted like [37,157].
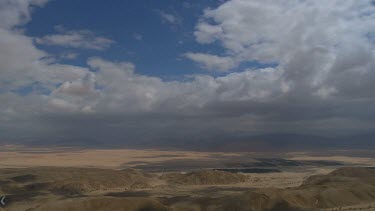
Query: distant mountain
[277,142]
[238,142]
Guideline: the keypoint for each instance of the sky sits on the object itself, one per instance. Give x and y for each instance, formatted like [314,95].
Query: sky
[102,72]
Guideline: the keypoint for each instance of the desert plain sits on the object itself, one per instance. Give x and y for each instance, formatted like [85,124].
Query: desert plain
[65,178]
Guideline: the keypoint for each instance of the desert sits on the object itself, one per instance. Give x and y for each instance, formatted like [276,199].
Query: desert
[133,179]
[187,105]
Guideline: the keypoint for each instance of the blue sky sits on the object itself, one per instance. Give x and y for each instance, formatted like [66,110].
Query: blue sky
[160,46]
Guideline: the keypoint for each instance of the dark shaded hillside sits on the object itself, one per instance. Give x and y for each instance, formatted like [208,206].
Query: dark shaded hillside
[343,187]
[69,181]
[88,189]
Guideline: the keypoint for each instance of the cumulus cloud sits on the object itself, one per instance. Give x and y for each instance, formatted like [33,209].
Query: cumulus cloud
[76,39]
[322,83]
[79,87]
[17,12]
[273,31]
[21,63]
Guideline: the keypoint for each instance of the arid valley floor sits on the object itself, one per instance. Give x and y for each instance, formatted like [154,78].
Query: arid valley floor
[133,179]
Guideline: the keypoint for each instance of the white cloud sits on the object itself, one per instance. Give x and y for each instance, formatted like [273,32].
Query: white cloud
[125,91]
[80,87]
[207,33]
[273,31]
[76,39]
[325,73]
[212,62]
[17,12]
[21,63]
[17,57]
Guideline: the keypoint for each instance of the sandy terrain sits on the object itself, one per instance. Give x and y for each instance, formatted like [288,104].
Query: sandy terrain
[163,161]
[160,164]
[18,156]
[344,159]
